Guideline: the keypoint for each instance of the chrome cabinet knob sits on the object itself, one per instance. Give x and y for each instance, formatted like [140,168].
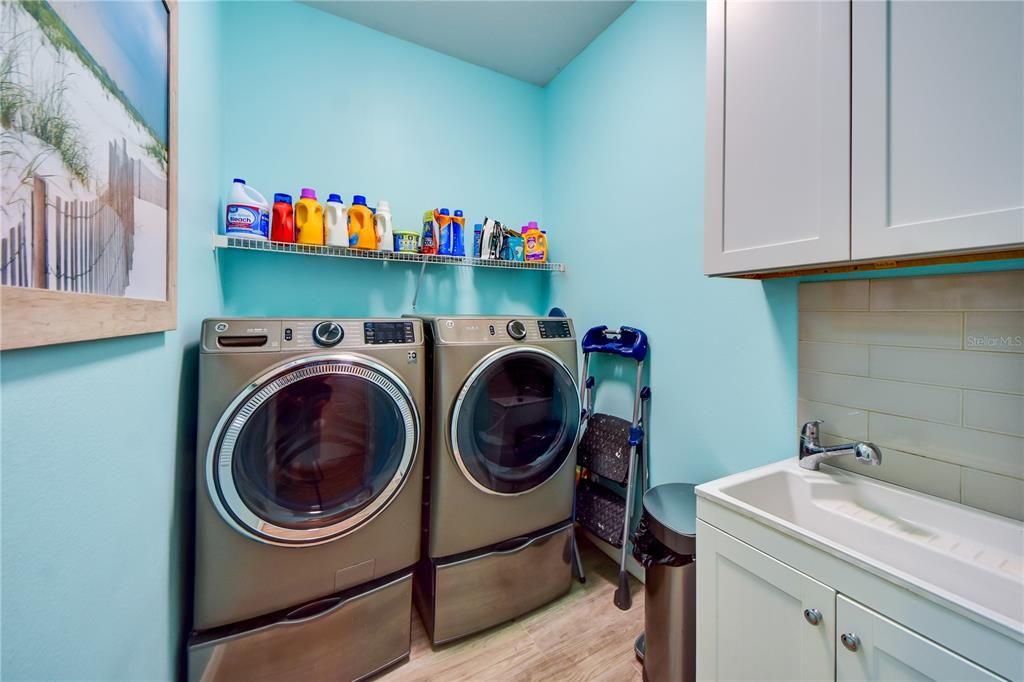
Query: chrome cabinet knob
[812,616]
[850,641]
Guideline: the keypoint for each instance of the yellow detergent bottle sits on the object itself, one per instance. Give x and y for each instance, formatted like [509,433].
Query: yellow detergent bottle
[309,219]
[362,234]
[536,243]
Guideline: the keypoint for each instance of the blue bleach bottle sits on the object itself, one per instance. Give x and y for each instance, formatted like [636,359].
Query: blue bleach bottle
[247,213]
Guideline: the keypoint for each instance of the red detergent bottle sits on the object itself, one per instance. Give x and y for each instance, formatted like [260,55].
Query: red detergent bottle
[282,227]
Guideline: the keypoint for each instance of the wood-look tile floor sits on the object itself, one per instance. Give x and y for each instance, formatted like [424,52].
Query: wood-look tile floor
[581,636]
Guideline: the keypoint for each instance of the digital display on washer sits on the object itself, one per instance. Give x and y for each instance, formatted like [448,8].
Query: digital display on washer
[388,332]
[554,329]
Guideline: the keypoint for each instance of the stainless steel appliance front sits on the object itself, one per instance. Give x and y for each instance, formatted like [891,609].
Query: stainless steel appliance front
[314,485]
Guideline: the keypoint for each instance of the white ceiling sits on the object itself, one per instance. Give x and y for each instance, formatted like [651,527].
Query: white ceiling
[531,40]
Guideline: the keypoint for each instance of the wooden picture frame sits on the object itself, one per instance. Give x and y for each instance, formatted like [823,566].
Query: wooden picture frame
[39,317]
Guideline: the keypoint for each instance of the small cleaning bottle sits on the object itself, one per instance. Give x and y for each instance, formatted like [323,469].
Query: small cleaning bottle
[458,234]
[444,231]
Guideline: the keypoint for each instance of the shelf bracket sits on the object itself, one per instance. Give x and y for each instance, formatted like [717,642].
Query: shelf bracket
[419,283]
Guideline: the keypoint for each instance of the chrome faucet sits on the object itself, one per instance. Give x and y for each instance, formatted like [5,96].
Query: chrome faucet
[813,453]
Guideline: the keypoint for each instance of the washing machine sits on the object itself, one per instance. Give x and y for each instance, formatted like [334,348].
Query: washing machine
[504,421]
[308,497]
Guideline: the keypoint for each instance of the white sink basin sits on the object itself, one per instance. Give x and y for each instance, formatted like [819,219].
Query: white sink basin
[971,558]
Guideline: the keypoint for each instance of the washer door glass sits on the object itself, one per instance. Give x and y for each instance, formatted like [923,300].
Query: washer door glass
[317,450]
[516,420]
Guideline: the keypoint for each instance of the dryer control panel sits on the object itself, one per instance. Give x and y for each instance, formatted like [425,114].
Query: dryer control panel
[501,329]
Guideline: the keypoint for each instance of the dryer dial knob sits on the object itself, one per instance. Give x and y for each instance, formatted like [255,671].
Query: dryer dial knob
[328,334]
[517,330]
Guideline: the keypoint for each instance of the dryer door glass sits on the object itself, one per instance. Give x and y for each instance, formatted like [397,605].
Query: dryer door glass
[516,420]
[317,450]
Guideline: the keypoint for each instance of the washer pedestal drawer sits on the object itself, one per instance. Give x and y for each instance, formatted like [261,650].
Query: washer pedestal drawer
[348,636]
[460,595]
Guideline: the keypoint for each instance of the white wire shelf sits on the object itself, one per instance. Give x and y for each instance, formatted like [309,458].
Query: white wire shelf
[221,241]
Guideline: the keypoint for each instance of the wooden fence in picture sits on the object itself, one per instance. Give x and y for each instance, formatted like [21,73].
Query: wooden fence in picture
[67,244]
[14,262]
[149,186]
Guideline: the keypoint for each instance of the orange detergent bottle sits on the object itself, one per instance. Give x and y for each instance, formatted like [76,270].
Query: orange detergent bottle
[362,233]
[309,219]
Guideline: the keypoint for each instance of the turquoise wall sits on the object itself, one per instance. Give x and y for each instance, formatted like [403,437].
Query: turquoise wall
[342,108]
[95,450]
[98,437]
[624,184]
[97,440]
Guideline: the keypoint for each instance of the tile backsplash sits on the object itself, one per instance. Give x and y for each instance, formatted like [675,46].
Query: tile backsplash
[931,369]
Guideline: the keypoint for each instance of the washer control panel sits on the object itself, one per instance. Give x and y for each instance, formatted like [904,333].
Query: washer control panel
[555,329]
[260,335]
[376,333]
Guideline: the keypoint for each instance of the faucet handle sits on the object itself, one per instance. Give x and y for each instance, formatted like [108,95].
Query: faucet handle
[809,431]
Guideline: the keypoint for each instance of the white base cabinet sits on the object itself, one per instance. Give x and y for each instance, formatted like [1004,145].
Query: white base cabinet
[753,614]
[760,619]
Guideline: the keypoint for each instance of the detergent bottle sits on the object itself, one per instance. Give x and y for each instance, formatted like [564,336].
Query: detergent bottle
[428,244]
[384,229]
[309,219]
[247,213]
[282,224]
[336,221]
[458,233]
[361,231]
[536,243]
[444,231]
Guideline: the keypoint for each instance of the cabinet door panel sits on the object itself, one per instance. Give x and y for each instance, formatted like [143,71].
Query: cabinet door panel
[937,139]
[778,132]
[750,615]
[888,651]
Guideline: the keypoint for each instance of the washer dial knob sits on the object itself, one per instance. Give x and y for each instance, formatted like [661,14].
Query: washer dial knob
[517,330]
[328,334]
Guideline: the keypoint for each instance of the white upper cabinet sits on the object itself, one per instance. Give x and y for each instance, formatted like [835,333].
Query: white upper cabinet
[778,127]
[859,131]
[937,126]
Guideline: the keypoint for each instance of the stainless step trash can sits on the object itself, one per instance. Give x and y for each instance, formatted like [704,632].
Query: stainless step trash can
[665,543]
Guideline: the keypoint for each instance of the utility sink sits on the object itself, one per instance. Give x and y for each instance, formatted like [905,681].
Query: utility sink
[969,558]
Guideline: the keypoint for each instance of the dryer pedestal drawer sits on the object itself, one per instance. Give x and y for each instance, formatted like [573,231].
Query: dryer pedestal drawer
[349,636]
[474,591]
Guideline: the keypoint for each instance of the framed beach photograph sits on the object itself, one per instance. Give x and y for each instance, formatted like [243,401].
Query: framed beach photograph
[88,196]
